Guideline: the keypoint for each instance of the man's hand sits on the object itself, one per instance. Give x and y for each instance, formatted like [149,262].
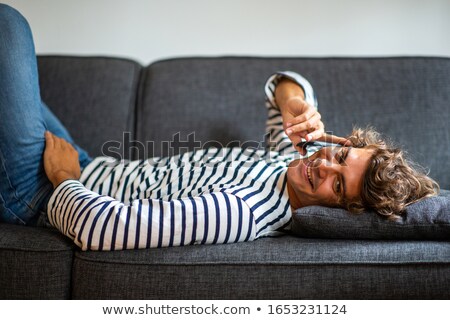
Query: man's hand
[60,160]
[301,120]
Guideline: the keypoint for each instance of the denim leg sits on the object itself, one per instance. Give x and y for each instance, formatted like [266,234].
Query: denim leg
[24,187]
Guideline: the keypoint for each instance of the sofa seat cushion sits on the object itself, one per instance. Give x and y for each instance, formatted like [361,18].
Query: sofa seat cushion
[271,268]
[426,219]
[35,263]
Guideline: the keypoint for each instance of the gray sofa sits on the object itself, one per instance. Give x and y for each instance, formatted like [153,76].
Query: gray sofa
[118,107]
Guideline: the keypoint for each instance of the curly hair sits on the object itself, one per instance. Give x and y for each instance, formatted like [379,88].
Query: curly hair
[391,181]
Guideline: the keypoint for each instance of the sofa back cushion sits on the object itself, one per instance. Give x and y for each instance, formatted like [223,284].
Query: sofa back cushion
[202,102]
[94,97]
[222,99]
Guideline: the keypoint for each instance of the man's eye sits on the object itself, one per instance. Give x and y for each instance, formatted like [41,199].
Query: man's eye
[338,186]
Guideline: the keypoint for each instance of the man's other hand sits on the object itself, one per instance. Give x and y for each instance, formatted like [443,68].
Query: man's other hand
[60,160]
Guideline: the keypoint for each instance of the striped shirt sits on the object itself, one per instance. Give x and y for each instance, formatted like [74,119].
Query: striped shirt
[206,196]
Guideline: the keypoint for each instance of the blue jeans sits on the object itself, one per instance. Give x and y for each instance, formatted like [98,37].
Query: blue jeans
[24,187]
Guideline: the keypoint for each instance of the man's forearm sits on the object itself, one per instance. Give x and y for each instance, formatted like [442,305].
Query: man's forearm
[286,90]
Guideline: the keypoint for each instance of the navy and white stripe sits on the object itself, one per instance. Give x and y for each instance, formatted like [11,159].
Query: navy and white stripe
[204,197]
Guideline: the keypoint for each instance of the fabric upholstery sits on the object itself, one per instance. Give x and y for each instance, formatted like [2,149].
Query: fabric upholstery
[271,268]
[35,263]
[95,99]
[426,219]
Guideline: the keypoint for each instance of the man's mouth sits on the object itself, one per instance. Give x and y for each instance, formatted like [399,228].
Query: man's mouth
[308,174]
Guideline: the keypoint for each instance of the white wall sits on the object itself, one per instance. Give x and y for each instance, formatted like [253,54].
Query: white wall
[148,30]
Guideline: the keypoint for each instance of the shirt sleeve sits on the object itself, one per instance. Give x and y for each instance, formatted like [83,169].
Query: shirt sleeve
[276,138]
[97,222]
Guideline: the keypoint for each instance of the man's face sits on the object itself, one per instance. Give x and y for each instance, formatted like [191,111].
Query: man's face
[326,177]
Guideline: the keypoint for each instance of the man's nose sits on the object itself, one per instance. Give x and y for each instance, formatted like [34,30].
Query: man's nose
[325,166]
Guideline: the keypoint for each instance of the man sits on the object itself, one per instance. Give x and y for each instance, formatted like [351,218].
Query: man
[203,197]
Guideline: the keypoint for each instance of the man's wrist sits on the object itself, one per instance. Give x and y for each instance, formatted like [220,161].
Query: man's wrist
[287,90]
[60,177]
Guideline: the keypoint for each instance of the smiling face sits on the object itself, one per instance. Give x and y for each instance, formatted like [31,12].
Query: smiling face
[328,178]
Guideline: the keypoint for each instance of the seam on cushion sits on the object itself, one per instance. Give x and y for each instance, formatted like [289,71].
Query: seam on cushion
[96,57]
[265,263]
[382,222]
[236,57]
[139,105]
[132,104]
[47,250]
